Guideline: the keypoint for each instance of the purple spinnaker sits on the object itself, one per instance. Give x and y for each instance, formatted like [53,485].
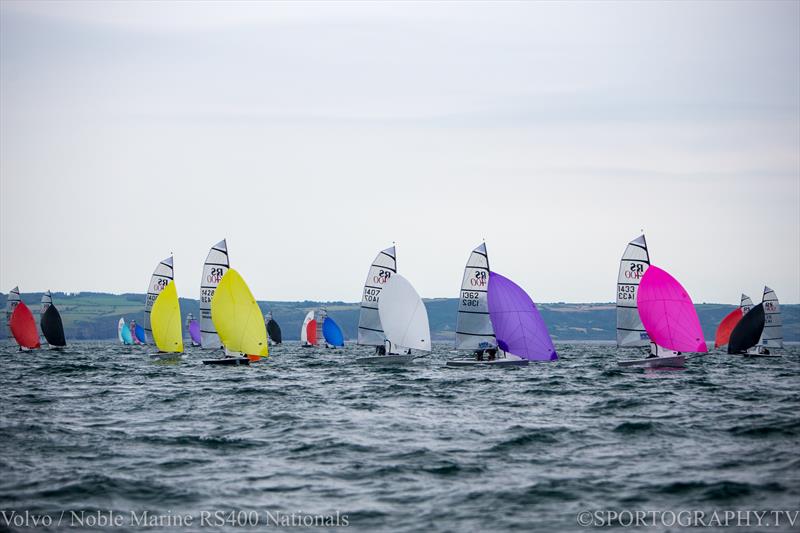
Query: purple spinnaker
[194,331]
[668,313]
[517,324]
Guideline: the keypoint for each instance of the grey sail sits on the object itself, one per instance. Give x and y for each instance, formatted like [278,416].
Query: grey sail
[161,277]
[473,326]
[772,337]
[213,269]
[746,304]
[370,330]
[634,263]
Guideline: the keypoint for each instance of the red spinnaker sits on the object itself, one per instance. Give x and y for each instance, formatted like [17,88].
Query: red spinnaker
[311,332]
[726,327]
[23,327]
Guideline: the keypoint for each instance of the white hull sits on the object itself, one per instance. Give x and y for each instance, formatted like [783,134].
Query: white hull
[497,362]
[385,360]
[671,361]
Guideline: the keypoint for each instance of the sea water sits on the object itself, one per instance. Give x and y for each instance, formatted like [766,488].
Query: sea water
[100,437]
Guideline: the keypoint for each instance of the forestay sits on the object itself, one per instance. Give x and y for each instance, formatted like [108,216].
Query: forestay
[473,326]
[213,269]
[634,263]
[161,277]
[370,329]
[403,315]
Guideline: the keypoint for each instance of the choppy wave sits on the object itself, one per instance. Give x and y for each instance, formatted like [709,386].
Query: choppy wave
[401,449]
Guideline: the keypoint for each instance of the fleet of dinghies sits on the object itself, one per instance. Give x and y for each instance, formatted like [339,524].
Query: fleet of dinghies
[498,324]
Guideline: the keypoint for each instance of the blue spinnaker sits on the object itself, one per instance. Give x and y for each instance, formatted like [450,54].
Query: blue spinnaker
[332,332]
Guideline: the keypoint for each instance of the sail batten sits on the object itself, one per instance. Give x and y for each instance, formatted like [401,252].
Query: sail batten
[214,268]
[473,325]
[772,336]
[162,275]
[633,265]
[370,329]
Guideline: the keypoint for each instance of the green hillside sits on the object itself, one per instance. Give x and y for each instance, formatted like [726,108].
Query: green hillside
[91,315]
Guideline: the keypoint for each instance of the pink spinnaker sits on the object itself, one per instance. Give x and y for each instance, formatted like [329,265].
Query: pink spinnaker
[668,313]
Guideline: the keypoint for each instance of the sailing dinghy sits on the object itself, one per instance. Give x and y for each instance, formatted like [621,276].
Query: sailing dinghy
[771,336]
[165,321]
[51,324]
[23,327]
[634,263]
[194,330]
[497,320]
[308,331]
[273,329]
[370,330]
[238,322]
[670,320]
[124,332]
[215,266]
[404,320]
[331,332]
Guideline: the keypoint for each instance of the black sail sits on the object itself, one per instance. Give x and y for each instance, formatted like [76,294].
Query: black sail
[748,331]
[52,327]
[274,331]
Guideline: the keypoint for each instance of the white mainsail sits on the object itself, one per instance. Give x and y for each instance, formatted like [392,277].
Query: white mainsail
[370,330]
[213,269]
[304,327]
[746,304]
[11,303]
[161,277]
[473,326]
[772,336]
[403,315]
[634,263]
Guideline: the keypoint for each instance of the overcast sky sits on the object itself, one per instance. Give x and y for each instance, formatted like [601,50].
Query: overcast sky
[313,135]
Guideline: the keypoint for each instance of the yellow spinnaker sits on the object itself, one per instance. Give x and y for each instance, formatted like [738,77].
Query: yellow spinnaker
[165,319]
[237,317]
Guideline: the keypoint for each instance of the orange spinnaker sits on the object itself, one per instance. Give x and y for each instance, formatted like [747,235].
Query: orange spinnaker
[726,326]
[254,358]
[23,327]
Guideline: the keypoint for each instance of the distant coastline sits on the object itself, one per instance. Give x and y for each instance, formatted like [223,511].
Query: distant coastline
[94,316]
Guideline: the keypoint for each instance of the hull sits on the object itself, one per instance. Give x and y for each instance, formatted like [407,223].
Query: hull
[497,362]
[672,361]
[235,361]
[770,356]
[385,360]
